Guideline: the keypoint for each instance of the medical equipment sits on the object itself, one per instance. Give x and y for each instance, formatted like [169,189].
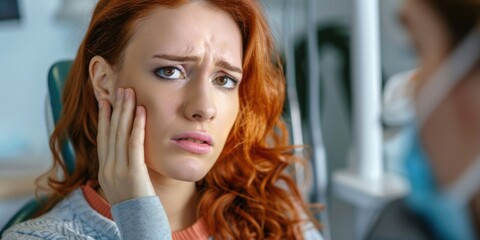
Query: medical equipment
[365,184]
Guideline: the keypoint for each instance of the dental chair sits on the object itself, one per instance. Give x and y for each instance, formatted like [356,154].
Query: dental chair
[56,81]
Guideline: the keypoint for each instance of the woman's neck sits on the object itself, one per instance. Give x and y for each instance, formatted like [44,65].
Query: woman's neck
[179,199]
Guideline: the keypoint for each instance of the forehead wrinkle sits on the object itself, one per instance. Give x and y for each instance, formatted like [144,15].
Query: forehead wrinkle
[187,50]
[202,44]
[219,59]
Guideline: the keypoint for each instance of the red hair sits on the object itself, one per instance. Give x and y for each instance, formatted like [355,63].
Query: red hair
[248,192]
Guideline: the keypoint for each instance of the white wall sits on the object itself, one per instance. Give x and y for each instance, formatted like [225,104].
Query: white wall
[397,53]
[28,48]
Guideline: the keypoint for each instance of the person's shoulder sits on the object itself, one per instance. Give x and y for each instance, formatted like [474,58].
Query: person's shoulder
[69,208]
[72,218]
[46,228]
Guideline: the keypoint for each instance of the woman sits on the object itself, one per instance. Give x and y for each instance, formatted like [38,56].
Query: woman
[174,111]
[443,162]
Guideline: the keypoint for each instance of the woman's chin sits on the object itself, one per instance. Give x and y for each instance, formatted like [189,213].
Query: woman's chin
[188,170]
[189,176]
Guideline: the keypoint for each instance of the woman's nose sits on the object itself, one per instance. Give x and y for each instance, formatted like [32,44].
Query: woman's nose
[199,103]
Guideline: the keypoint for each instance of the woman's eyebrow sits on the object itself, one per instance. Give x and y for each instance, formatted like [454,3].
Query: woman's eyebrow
[176,58]
[226,65]
[222,63]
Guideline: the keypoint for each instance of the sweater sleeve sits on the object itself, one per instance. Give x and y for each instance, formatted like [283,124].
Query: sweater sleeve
[141,218]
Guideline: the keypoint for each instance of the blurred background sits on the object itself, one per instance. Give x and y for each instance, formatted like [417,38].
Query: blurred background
[35,34]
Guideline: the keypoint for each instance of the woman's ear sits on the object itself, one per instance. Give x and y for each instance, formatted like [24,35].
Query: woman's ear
[103,79]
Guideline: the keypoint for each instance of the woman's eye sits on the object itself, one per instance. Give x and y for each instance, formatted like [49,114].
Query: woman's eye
[169,73]
[226,82]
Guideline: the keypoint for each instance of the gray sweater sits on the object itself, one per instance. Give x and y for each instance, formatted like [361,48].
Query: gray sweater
[74,218]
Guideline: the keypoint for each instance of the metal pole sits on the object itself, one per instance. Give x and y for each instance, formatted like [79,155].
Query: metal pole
[294,106]
[366,94]
[319,154]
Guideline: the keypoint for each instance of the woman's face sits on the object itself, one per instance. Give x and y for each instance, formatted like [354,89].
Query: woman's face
[185,65]
[429,36]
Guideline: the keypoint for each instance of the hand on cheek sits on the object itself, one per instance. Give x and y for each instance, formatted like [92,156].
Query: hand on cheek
[122,173]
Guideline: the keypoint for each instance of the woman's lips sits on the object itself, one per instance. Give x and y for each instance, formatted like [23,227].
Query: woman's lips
[194,142]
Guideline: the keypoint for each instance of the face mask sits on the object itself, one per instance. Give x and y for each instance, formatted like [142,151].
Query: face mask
[444,210]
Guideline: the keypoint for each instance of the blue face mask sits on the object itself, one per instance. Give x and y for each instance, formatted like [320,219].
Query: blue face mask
[445,210]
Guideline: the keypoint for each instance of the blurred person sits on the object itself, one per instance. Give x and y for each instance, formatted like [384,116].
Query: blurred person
[174,110]
[443,157]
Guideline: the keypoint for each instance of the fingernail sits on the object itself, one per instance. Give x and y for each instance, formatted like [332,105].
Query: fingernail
[139,110]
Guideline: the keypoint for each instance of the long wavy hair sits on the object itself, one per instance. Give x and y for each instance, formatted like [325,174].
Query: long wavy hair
[248,193]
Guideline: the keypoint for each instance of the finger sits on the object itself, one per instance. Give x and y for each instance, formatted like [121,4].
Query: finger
[112,138]
[102,132]
[124,128]
[137,139]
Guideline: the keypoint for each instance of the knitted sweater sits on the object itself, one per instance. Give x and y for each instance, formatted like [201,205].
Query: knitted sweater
[141,218]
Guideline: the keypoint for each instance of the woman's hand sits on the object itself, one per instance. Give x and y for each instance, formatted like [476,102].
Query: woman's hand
[123,174]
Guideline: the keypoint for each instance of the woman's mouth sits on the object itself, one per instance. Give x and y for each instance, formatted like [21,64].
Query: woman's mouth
[194,142]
